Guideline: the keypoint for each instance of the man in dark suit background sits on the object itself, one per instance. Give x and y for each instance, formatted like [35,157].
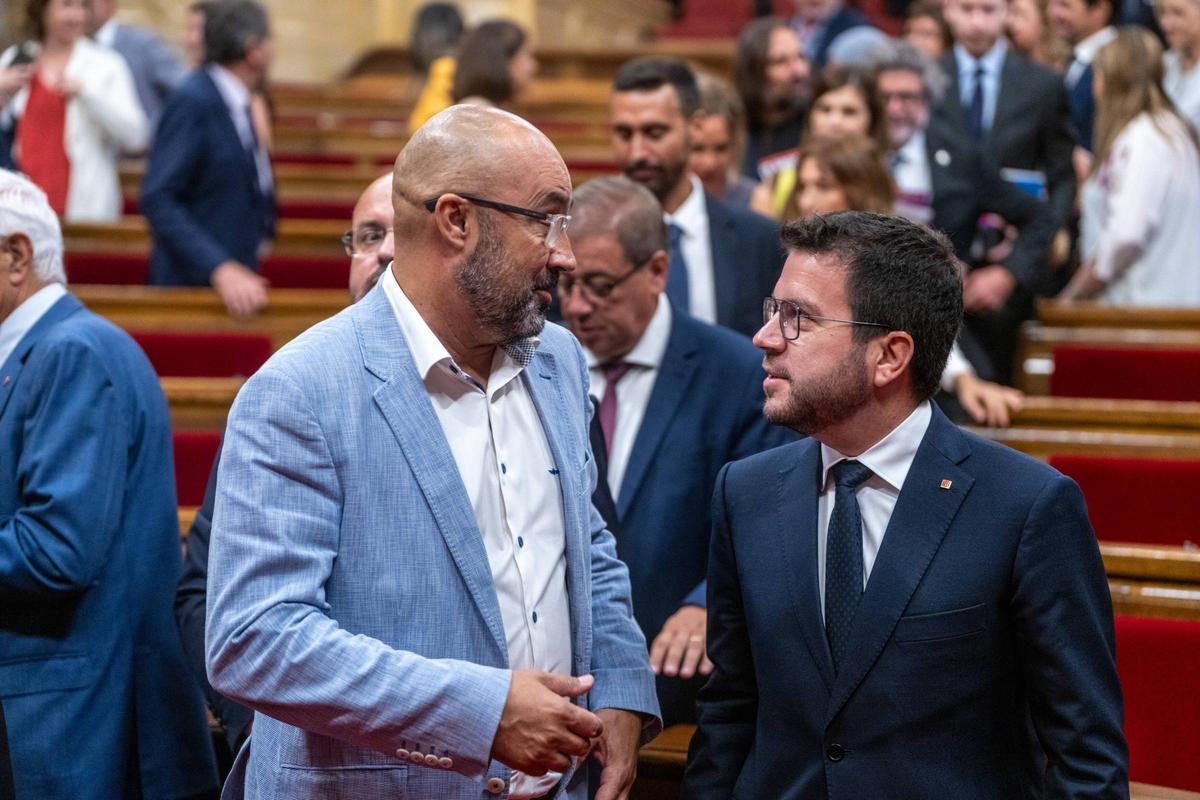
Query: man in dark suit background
[208,192]
[724,259]
[944,180]
[897,608]
[93,680]
[1086,25]
[819,23]
[679,399]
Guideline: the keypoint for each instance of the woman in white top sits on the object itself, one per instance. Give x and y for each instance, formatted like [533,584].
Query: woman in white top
[98,111]
[1141,203]
[1180,21]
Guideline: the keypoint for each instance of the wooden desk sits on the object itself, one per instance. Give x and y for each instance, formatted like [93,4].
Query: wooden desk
[131,234]
[200,403]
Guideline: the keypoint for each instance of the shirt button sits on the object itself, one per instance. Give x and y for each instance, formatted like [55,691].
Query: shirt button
[495,785]
[445,763]
[503,468]
[835,752]
[402,754]
[432,760]
[520,541]
[535,616]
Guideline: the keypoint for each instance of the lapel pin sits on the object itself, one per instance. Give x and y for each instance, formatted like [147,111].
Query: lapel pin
[946,483]
[942,158]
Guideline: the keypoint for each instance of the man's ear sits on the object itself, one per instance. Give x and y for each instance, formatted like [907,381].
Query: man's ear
[453,218]
[893,358]
[19,250]
[658,267]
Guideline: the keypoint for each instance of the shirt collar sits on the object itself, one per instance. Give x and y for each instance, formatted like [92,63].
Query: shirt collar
[652,347]
[106,34]
[26,315]
[691,215]
[235,93]
[1086,50]
[892,456]
[991,61]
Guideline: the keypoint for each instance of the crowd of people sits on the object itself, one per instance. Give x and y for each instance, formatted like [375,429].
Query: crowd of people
[435,515]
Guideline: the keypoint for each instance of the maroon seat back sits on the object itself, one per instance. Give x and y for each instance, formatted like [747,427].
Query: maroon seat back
[1126,373]
[185,354]
[306,272]
[122,269]
[194,454]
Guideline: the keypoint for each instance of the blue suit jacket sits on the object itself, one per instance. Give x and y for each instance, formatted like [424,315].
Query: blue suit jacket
[1082,105]
[92,674]
[155,69]
[987,609]
[201,194]
[747,257]
[350,597]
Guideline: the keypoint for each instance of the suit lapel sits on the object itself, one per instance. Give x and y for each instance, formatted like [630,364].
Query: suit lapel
[1006,99]
[919,522]
[796,513]
[722,236]
[405,405]
[952,102]
[14,365]
[249,168]
[670,388]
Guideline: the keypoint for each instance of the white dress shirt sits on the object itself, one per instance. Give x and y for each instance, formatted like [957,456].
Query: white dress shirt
[696,244]
[1139,222]
[237,99]
[510,476]
[992,63]
[25,316]
[889,459]
[914,181]
[633,390]
[1182,87]
[106,34]
[1085,52]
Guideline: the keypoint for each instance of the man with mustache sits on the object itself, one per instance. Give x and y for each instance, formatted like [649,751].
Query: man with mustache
[409,582]
[897,608]
[724,259]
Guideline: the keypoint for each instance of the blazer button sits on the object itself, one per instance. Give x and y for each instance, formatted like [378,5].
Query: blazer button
[445,763]
[495,785]
[835,752]
[431,760]
[402,754]
[416,758]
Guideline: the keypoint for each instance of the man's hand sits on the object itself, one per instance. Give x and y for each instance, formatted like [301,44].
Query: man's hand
[243,290]
[617,752]
[13,80]
[987,288]
[539,728]
[988,403]
[679,647]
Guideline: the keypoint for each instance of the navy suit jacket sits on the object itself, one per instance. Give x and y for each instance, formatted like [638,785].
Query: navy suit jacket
[985,629]
[201,194]
[839,23]
[92,674]
[1083,108]
[6,785]
[747,257]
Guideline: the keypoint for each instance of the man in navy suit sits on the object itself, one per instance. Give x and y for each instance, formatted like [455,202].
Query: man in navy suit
[819,23]
[724,259]
[1086,25]
[92,675]
[208,192]
[678,399]
[897,608]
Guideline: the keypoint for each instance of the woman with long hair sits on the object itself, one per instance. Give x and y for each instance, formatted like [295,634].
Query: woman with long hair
[437,30]
[1180,22]
[719,145]
[1141,202]
[926,29]
[495,65]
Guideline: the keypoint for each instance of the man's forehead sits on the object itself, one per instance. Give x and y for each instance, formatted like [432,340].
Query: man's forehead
[815,278]
[644,103]
[599,253]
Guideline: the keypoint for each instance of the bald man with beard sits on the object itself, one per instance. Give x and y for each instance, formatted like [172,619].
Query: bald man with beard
[409,582]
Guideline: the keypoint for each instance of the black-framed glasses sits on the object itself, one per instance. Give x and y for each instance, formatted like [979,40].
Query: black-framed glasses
[368,240]
[557,222]
[792,319]
[596,288]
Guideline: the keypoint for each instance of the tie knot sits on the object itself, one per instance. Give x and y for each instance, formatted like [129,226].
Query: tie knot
[980,71]
[849,474]
[615,371]
[674,234]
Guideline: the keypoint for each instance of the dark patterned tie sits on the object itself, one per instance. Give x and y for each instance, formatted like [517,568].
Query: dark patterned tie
[843,558]
[677,276]
[975,112]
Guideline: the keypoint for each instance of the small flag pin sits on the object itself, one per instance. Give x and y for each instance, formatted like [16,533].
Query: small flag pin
[946,483]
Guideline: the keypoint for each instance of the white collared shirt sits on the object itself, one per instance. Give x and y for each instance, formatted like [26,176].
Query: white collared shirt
[914,181]
[26,315]
[889,459]
[106,34]
[633,390]
[237,99]
[504,459]
[992,63]
[696,244]
[1085,52]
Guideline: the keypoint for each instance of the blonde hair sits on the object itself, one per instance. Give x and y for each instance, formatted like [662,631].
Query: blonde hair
[857,166]
[1131,72]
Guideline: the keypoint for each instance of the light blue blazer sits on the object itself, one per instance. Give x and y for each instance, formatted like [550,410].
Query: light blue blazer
[351,603]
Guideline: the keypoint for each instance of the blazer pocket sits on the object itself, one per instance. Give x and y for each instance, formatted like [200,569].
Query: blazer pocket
[59,673]
[952,624]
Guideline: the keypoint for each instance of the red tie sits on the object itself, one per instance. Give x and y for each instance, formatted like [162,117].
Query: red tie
[608,404]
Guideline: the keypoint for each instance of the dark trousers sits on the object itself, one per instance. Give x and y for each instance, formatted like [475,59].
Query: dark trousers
[7,792]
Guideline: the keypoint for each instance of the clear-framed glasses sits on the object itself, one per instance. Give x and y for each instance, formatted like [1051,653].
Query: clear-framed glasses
[596,288]
[557,223]
[792,319]
[365,241]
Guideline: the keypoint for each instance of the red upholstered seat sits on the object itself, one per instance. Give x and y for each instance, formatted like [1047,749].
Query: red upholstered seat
[316,209]
[1148,501]
[204,355]
[1126,373]
[194,454]
[123,269]
[306,272]
[313,159]
[1159,664]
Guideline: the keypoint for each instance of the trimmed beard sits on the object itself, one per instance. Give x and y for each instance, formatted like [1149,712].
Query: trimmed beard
[816,404]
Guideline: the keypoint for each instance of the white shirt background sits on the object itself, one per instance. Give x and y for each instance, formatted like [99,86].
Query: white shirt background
[889,459]
[505,462]
[696,244]
[25,316]
[914,181]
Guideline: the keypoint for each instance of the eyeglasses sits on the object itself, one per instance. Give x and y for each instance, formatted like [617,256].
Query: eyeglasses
[792,319]
[596,288]
[368,240]
[907,98]
[557,222]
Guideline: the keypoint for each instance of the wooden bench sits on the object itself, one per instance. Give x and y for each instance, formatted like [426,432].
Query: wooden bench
[132,234]
[200,403]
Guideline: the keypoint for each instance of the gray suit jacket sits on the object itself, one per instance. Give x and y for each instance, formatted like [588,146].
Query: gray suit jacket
[156,70]
[350,600]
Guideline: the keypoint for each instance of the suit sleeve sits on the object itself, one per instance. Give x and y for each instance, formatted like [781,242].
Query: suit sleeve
[727,707]
[1035,224]
[166,72]
[620,659]
[70,473]
[175,160]
[271,642]
[1063,613]
[109,97]
[1058,148]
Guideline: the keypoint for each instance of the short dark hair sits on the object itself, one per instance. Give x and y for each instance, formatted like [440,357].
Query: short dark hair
[899,274]
[482,68]
[651,72]
[35,23]
[437,29]
[750,65]
[230,26]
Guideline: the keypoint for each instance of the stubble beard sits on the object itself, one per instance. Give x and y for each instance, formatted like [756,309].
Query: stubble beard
[816,404]
[505,312]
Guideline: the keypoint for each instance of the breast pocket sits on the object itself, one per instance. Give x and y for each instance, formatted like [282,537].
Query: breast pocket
[955,623]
